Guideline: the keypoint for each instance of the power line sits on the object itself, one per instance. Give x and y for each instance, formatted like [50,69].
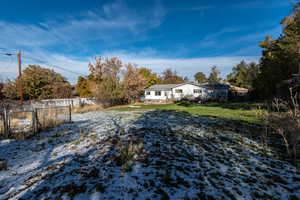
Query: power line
[52,65]
[7,54]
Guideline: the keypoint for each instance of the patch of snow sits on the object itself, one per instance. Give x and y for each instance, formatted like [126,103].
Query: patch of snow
[140,155]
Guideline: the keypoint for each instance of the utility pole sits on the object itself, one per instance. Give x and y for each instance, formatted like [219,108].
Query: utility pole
[20,81]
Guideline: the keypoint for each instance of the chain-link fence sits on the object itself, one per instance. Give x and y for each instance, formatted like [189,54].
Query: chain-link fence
[20,122]
[16,122]
[52,116]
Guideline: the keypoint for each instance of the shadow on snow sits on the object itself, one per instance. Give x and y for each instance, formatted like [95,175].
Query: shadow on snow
[163,154]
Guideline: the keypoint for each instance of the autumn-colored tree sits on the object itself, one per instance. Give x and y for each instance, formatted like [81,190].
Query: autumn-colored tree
[10,90]
[214,75]
[200,77]
[43,83]
[105,68]
[171,77]
[133,84]
[150,77]
[105,80]
[83,87]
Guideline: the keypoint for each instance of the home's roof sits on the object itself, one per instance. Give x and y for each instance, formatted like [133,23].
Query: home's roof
[238,89]
[162,87]
[165,87]
[215,85]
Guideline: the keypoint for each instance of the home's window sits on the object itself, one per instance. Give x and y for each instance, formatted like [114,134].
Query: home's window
[198,91]
[157,93]
[178,91]
[147,93]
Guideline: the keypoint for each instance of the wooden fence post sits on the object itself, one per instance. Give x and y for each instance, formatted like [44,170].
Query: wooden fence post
[70,113]
[6,122]
[34,121]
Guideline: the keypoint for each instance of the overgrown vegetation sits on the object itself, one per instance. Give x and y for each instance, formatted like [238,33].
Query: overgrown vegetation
[283,118]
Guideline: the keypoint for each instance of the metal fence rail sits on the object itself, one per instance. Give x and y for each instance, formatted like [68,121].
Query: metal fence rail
[22,123]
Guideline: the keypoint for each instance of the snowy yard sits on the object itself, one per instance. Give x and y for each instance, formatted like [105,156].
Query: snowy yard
[143,155]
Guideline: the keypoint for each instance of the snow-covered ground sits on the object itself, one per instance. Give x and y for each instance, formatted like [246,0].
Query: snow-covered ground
[143,155]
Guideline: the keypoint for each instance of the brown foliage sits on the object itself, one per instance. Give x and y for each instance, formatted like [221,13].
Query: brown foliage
[133,84]
[10,90]
[105,68]
[105,81]
[171,77]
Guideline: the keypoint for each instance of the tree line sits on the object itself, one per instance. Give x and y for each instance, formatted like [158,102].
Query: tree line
[109,80]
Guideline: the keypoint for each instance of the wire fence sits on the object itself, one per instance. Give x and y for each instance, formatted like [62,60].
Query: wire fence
[22,123]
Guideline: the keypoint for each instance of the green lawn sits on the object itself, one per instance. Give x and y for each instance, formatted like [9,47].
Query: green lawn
[234,111]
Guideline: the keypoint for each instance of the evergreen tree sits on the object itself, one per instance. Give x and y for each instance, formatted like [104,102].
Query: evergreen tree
[243,75]
[214,75]
[280,57]
[200,77]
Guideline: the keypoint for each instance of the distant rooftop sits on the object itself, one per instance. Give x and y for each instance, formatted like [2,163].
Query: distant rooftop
[215,85]
[162,87]
[165,87]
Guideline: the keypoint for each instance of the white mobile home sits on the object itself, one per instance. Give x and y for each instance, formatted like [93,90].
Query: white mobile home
[172,92]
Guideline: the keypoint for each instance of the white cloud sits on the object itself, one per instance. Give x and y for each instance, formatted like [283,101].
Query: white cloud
[184,66]
[110,23]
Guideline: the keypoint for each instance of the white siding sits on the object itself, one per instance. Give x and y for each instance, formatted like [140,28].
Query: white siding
[152,96]
[187,91]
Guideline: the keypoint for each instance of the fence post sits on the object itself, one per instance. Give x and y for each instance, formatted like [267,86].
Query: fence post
[6,122]
[34,121]
[70,113]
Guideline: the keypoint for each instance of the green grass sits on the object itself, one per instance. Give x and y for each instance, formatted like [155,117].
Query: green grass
[234,111]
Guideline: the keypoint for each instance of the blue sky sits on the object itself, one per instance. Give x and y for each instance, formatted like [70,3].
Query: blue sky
[187,36]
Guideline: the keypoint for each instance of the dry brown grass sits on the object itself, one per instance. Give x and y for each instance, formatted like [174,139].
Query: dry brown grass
[51,117]
[87,108]
[126,106]
[283,117]
[1,127]
[21,115]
